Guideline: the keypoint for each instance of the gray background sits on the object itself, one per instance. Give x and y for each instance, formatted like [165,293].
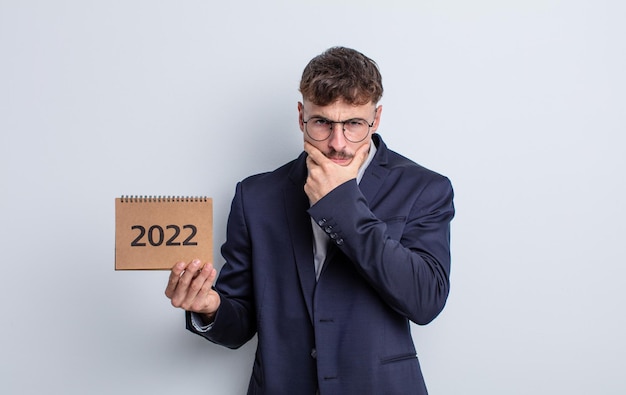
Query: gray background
[520,103]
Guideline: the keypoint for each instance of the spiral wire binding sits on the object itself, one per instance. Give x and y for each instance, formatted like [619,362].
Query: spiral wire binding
[161,199]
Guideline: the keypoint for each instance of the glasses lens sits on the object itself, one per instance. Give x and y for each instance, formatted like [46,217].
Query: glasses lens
[355,130]
[318,128]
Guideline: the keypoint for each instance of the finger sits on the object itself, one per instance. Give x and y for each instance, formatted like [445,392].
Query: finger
[172,283]
[308,147]
[211,271]
[185,278]
[310,162]
[207,285]
[191,271]
[314,153]
[360,156]
[204,302]
[199,287]
[207,273]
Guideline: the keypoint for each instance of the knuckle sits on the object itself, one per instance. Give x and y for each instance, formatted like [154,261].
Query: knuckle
[195,287]
[186,305]
[175,302]
[184,281]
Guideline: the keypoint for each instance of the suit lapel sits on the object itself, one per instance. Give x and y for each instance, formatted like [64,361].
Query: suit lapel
[376,172]
[296,206]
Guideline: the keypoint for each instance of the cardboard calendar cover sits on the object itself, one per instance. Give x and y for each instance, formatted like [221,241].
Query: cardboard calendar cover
[154,233]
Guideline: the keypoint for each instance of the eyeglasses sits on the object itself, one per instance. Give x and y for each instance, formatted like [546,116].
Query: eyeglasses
[354,130]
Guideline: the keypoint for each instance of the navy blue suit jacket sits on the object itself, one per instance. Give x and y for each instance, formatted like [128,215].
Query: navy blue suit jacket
[388,263]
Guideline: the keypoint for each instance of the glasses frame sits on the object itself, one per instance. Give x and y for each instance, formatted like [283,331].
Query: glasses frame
[343,127]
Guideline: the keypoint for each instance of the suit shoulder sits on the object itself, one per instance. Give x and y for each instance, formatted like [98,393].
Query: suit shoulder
[432,191]
[408,167]
[270,179]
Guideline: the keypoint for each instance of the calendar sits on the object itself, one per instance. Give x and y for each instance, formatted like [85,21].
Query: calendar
[154,233]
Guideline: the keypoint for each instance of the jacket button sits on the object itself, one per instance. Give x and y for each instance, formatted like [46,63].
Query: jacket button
[313,353]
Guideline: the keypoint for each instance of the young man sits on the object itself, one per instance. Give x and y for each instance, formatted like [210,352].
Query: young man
[328,257]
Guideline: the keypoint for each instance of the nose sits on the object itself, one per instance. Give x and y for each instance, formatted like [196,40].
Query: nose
[337,140]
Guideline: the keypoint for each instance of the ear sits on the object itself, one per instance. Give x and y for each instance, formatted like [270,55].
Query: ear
[379,111]
[301,116]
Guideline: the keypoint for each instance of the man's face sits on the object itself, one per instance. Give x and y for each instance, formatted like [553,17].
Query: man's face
[336,147]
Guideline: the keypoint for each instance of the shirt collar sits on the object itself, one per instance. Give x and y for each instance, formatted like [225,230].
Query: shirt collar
[368,160]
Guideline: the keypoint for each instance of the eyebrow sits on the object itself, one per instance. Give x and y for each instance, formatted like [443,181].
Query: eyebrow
[330,120]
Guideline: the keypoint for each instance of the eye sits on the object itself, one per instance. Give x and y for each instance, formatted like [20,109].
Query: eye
[357,122]
[320,122]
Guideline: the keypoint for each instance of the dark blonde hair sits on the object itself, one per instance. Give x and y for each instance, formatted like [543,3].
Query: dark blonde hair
[341,73]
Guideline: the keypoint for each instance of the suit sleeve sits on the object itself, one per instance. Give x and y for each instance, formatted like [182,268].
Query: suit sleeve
[234,322]
[410,271]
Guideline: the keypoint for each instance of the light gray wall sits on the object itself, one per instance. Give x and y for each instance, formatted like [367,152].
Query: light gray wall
[521,103]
